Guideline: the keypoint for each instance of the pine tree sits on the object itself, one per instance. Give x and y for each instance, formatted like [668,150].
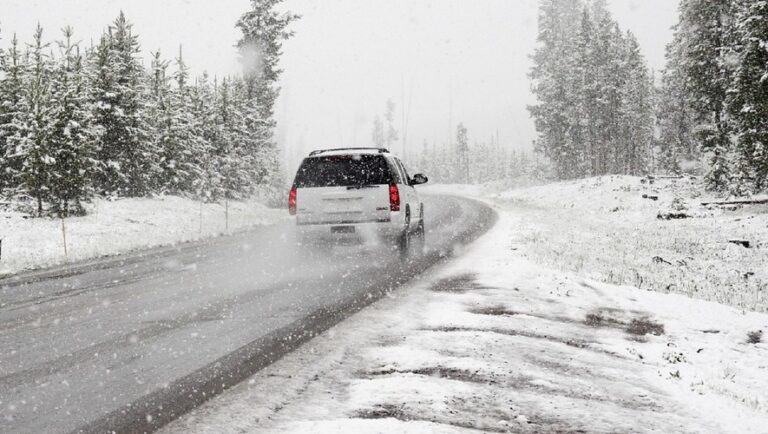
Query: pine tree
[636,110]
[462,148]
[191,146]
[553,83]
[377,134]
[72,141]
[674,112]
[706,25]
[13,69]
[207,132]
[126,150]
[748,95]
[389,115]
[32,127]
[233,161]
[264,30]
[160,117]
[585,71]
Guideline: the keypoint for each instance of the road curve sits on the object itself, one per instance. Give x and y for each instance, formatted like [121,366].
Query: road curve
[132,343]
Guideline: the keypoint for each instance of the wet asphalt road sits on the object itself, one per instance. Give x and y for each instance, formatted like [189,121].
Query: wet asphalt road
[129,344]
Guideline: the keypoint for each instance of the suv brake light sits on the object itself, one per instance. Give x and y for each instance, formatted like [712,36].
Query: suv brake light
[394,198]
[292,201]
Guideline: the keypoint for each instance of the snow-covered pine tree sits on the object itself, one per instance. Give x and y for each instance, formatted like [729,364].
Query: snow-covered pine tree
[129,156]
[552,82]
[261,157]
[13,69]
[233,160]
[3,116]
[707,25]
[585,70]
[161,114]
[748,96]
[264,29]
[674,113]
[614,73]
[636,114]
[462,151]
[377,133]
[191,146]
[389,115]
[73,138]
[32,127]
[206,131]
[423,165]
[256,161]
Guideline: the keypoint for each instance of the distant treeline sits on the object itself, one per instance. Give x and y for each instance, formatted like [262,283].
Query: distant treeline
[77,121]
[479,163]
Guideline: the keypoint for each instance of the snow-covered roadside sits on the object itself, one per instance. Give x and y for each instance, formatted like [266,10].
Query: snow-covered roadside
[606,229]
[113,227]
[493,342]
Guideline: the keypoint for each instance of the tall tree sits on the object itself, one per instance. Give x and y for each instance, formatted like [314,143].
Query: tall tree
[462,147]
[389,115]
[264,30]
[128,155]
[674,112]
[72,141]
[552,78]
[378,136]
[13,69]
[32,127]
[748,96]
[706,24]
[636,110]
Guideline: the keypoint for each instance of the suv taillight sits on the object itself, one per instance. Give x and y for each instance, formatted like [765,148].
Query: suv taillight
[394,198]
[292,201]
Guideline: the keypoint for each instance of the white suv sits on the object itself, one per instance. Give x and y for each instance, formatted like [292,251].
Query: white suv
[362,193]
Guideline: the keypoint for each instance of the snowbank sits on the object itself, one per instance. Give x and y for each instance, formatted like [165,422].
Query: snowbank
[113,227]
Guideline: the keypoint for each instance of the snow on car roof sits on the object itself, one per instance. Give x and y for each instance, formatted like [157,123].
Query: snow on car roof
[347,151]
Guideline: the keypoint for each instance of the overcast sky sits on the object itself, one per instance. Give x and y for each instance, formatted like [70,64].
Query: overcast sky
[450,61]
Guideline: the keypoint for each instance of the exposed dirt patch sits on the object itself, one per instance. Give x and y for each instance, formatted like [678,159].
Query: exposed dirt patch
[597,319]
[521,382]
[443,372]
[645,326]
[383,411]
[386,411]
[571,342]
[493,310]
[606,317]
[499,310]
[458,284]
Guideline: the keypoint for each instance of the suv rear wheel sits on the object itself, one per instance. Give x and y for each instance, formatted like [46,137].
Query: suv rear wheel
[420,234]
[404,241]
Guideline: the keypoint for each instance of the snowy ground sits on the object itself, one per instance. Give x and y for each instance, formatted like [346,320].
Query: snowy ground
[493,342]
[113,227]
[603,228]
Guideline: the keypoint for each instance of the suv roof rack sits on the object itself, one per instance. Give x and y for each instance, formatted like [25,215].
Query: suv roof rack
[320,151]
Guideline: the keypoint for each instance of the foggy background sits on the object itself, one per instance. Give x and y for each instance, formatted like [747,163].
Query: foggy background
[446,61]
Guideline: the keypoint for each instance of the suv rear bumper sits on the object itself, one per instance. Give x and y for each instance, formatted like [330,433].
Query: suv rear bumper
[363,231]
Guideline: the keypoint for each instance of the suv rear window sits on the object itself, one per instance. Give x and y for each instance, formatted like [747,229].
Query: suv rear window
[343,171]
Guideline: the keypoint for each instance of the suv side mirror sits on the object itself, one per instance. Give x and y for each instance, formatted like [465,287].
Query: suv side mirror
[419,179]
